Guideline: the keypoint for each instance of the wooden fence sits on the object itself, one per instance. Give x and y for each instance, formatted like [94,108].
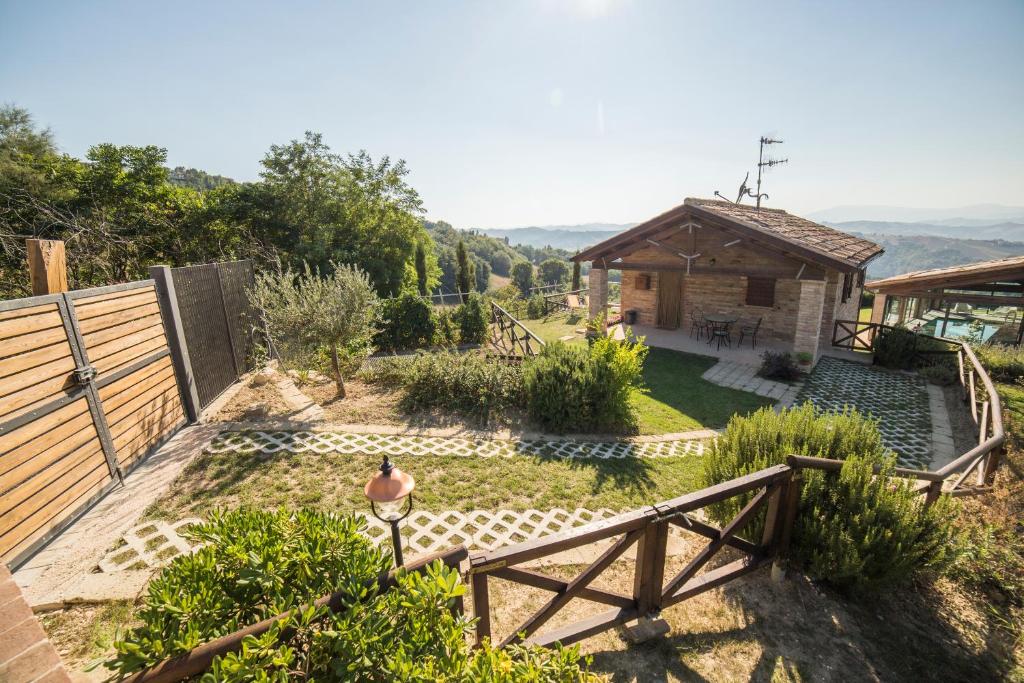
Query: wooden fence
[510,337]
[88,389]
[978,393]
[565,301]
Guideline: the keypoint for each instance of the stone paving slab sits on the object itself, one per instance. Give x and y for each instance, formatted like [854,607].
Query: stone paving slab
[900,402]
[743,376]
[259,441]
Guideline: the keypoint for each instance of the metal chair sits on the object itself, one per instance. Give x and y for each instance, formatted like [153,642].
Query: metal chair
[698,324]
[751,331]
[720,331]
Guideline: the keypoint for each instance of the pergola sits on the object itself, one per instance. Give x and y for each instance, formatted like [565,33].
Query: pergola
[988,291]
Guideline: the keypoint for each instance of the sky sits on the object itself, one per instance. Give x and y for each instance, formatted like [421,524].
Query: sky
[543,112]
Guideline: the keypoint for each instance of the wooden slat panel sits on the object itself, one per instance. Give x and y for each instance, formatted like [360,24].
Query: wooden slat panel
[27,310]
[85,309]
[37,375]
[42,433]
[51,514]
[145,422]
[33,359]
[101,322]
[127,415]
[109,393]
[30,342]
[18,503]
[142,436]
[108,296]
[101,351]
[94,339]
[35,396]
[29,324]
[138,446]
[116,361]
[113,406]
[31,461]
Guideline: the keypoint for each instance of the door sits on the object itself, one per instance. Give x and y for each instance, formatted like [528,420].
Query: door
[670,298]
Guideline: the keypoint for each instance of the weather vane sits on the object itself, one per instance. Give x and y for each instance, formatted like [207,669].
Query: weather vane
[762,163]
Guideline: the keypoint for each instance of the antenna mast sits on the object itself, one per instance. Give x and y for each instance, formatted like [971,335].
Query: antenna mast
[763,163]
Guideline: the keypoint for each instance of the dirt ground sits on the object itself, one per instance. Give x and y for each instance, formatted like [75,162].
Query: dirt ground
[84,635]
[758,630]
[254,402]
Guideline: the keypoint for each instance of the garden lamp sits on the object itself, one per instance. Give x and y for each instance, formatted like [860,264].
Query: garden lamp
[388,492]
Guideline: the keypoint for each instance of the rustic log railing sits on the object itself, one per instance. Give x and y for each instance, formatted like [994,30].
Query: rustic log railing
[200,659]
[559,301]
[510,337]
[646,528]
[977,391]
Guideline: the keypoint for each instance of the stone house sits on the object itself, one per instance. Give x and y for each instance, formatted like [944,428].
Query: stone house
[797,277]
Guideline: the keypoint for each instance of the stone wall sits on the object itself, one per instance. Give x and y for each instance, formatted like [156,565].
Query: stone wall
[25,652]
[597,282]
[809,318]
[643,301]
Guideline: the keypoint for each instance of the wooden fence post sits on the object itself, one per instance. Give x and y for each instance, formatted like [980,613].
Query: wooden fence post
[176,340]
[47,266]
[790,503]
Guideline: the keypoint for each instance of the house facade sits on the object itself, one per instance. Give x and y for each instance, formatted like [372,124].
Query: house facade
[718,258]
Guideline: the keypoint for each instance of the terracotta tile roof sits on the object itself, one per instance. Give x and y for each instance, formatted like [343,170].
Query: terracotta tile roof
[1010,268]
[821,238]
[802,238]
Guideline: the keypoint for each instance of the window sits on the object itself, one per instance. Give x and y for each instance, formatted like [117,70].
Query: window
[761,291]
[847,286]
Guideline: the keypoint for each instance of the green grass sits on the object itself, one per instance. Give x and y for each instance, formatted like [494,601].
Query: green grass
[557,325]
[864,315]
[335,482]
[677,399]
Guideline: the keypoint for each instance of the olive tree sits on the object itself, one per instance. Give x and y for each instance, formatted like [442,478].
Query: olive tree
[313,311]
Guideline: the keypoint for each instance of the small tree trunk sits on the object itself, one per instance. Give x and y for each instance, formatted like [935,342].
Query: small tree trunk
[336,367]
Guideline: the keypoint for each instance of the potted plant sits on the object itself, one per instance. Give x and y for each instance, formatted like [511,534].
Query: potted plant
[804,359]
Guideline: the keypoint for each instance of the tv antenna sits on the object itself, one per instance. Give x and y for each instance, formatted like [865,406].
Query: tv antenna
[762,163]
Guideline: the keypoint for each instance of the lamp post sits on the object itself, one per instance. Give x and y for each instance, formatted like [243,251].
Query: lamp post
[388,491]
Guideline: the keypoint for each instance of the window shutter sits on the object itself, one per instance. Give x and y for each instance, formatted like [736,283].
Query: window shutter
[761,291]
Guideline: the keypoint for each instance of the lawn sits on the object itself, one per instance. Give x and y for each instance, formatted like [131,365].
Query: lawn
[677,399]
[335,482]
[553,327]
[864,315]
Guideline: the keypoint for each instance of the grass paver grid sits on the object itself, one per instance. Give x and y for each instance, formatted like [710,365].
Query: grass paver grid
[899,401]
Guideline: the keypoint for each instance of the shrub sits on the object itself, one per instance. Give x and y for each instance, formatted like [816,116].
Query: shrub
[406,322]
[778,365]
[446,326]
[863,532]
[258,564]
[1003,363]
[473,320]
[942,374]
[895,348]
[390,371]
[573,388]
[853,530]
[466,383]
[535,307]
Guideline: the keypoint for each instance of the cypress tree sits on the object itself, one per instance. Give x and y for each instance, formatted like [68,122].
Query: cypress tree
[464,277]
[421,268]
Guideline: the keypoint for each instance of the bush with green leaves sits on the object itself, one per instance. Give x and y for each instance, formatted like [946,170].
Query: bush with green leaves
[535,307]
[473,319]
[465,383]
[404,322]
[446,327]
[778,365]
[896,348]
[574,388]
[259,564]
[307,313]
[1003,363]
[853,530]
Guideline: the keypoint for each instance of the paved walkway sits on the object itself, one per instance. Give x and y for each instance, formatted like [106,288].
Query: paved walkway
[743,376]
[900,401]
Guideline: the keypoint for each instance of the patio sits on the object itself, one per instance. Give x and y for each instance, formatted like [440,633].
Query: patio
[680,340]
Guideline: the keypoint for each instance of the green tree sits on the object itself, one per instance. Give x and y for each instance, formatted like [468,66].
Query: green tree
[481,274]
[313,311]
[553,271]
[522,276]
[421,269]
[575,276]
[465,279]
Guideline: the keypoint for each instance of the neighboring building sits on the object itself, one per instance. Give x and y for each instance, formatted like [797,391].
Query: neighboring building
[721,258]
[984,299]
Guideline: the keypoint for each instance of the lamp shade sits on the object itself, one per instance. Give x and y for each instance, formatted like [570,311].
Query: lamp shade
[389,486]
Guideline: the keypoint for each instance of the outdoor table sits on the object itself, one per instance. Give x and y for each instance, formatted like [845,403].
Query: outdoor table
[725,319]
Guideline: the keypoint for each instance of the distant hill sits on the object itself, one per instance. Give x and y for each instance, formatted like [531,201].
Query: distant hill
[1012,231]
[906,253]
[569,237]
[975,214]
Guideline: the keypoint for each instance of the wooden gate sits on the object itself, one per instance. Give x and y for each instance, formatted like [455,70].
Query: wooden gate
[87,389]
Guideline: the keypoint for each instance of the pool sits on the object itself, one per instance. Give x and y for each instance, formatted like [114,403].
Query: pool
[960,328]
